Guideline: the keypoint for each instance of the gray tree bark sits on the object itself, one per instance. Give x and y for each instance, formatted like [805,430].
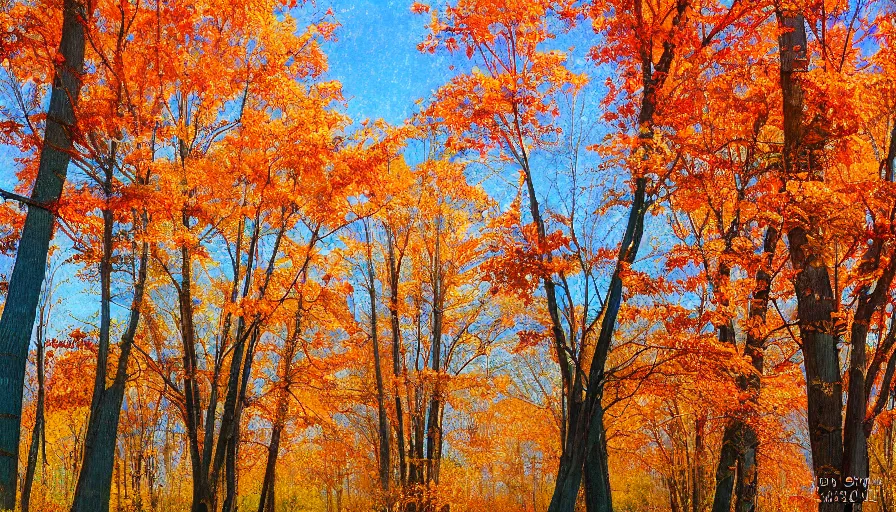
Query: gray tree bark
[29,270]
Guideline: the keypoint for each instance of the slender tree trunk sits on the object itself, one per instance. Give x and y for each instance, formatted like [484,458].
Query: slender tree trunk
[748,442]
[266,503]
[858,424]
[223,347]
[572,442]
[855,446]
[590,428]
[102,360]
[419,436]
[233,443]
[394,276]
[870,301]
[137,480]
[434,424]
[202,492]
[739,442]
[95,478]
[674,502]
[37,434]
[233,380]
[598,496]
[17,320]
[417,433]
[382,420]
[697,476]
[232,440]
[730,453]
[117,473]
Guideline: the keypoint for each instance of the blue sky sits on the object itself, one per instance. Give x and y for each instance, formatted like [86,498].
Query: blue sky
[383,74]
[376,59]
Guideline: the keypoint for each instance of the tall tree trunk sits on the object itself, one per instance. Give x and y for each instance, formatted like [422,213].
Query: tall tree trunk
[226,428]
[726,468]
[730,453]
[37,434]
[815,305]
[102,359]
[266,502]
[754,349]
[95,478]
[598,496]
[382,420]
[225,337]
[871,298]
[394,276]
[589,455]
[572,437]
[697,472]
[812,285]
[739,442]
[17,320]
[202,492]
[419,424]
[434,423]
[232,440]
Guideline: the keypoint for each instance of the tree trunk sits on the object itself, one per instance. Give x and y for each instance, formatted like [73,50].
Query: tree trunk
[95,478]
[382,420]
[572,437]
[824,387]
[233,440]
[814,294]
[233,443]
[739,442]
[858,424]
[266,503]
[102,359]
[37,434]
[434,424]
[17,320]
[747,470]
[729,457]
[754,349]
[226,428]
[697,475]
[598,496]
[590,426]
[394,276]
[202,492]
[725,470]
[225,337]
